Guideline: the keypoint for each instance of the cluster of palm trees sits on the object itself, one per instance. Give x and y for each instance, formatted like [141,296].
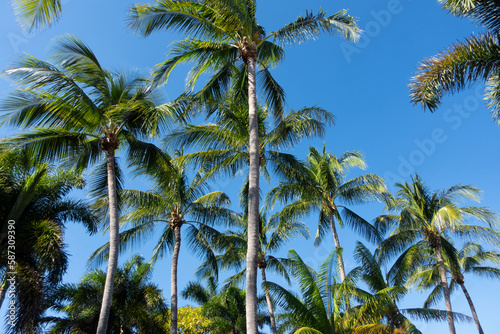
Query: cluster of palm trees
[80,116]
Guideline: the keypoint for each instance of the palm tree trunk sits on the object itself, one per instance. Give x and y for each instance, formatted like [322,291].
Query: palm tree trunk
[269,303]
[253,204]
[472,308]
[3,292]
[446,290]
[113,243]
[337,246]
[173,280]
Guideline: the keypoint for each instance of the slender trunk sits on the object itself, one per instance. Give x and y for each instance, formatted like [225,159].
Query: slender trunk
[446,290]
[114,235]
[472,308]
[269,303]
[173,281]
[253,204]
[337,245]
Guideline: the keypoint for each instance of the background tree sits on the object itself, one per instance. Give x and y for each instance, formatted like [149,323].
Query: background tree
[274,233]
[138,305]
[34,198]
[224,34]
[79,111]
[323,186]
[472,258]
[428,219]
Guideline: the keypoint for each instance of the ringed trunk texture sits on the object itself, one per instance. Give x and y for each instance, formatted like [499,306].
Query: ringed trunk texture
[253,204]
[337,245]
[269,303]
[472,308]
[446,290]
[173,280]
[113,243]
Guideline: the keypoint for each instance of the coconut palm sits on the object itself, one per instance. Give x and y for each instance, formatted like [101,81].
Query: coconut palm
[138,305]
[222,35]
[472,258]
[80,110]
[318,309]
[173,203]
[324,186]
[35,206]
[274,233]
[379,311]
[464,63]
[428,219]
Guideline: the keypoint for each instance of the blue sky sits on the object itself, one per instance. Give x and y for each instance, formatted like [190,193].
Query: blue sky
[365,85]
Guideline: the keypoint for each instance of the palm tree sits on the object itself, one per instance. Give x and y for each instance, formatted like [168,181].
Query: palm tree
[79,111]
[471,258]
[138,305]
[221,34]
[176,202]
[379,311]
[462,64]
[318,310]
[428,219]
[323,185]
[34,204]
[274,233]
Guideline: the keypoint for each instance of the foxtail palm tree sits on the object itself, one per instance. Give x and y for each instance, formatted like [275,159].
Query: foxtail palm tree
[427,219]
[226,40]
[80,110]
[472,258]
[176,202]
[324,186]
[474,60]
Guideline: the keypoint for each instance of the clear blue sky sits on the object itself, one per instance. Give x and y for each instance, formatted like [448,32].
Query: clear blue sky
[365,85]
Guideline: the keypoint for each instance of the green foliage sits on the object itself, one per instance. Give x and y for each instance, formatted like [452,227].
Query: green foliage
[34,199]
[138,305]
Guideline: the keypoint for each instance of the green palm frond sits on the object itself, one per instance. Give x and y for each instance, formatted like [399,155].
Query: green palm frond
[311,25]
[476,59]
[33,14]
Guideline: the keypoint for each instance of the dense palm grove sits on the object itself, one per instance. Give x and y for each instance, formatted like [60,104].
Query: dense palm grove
[85,127]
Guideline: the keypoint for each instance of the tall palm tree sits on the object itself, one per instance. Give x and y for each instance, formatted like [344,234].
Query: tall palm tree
[274,233]
[34,202]
[80,110]
[175,202]
[462,64]
[324,186]
[222,34]
[472,258]
[138,305]
[427,219]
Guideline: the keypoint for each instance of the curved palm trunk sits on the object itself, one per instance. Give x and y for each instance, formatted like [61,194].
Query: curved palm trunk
[269,303]
[253,204]
[3,292]
[173,280]
[113,243]
[337,245]
[446,290]
[472,308]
